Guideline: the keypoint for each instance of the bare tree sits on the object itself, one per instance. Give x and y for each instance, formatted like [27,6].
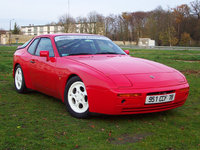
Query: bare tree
[139,19]
[83,24]
[110,26]
[96,23]
[196,8]
[180,14]
[68,23]
[156,23]
[167,27]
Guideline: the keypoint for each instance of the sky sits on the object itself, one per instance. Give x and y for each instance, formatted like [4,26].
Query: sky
[40,12]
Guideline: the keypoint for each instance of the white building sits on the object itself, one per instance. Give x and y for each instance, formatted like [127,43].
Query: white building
[35,30]
[146,42]
[41,29]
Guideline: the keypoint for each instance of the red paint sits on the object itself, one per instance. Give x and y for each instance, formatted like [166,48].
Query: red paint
[106,77]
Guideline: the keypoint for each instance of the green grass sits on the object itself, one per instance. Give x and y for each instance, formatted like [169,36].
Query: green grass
[37,121]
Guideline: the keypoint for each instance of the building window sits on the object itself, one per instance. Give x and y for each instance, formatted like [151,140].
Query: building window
[48,29]
[55,29]
[41,30]
[35,31]
[29,31]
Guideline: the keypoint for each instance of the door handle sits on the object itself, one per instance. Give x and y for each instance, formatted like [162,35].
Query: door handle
[32,61]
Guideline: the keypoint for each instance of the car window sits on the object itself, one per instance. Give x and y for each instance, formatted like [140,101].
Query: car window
[25,44]
[32,47]
[45,45]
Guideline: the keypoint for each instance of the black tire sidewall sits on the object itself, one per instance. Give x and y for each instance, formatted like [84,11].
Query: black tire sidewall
[69,109]
[23,87]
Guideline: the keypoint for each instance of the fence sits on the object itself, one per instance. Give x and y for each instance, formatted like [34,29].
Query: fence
[160,47]
[9,38]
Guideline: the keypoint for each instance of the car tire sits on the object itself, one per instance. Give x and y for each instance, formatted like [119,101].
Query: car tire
[19,80]
[75,97]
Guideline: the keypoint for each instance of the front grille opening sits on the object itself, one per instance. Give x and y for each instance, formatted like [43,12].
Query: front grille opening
[156,107]
[160,93]
[123,101]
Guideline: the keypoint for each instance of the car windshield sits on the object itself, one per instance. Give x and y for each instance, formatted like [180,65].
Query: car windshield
[86,45]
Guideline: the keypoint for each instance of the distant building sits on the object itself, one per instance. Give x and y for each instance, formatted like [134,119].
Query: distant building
[93,28]
[2,32]
[146,42]
[41,29]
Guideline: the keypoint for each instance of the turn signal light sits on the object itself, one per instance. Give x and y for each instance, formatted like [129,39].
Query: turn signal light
[129,95]
[184,89]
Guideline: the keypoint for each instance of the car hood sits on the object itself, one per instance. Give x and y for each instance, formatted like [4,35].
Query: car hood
[121,64]
[127,71]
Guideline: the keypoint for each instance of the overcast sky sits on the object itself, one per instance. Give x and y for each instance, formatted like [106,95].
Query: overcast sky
[40,12]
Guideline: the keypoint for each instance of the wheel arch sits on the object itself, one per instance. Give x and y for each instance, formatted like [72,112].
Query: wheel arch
[65,83]
[15,65]
[71,76]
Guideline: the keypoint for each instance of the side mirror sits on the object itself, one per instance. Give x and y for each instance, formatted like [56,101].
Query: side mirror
[127,52]
[44,54]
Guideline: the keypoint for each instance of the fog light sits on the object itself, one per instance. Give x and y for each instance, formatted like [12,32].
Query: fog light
[129,95]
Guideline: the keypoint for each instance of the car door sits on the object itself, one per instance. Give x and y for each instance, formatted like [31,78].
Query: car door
[27,60]
[42,71]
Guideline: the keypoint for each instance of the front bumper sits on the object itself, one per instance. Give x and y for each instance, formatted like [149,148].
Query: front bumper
[105,101]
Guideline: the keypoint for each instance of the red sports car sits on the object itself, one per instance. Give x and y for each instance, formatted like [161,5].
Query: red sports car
[89,73]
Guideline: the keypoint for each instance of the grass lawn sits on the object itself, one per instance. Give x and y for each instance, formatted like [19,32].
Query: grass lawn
[37,121]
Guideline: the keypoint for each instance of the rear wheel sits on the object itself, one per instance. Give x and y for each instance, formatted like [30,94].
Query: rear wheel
[19,80]
[76,98]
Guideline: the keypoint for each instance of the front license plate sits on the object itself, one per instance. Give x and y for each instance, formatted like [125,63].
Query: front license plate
[154,99]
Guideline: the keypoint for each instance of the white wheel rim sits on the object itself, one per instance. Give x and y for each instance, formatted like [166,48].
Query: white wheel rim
[18,78]
[77,97]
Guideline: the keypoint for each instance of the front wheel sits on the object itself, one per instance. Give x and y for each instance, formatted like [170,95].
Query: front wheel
[76,98]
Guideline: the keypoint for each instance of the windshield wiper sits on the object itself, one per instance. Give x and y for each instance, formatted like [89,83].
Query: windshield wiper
[94,54]
[80,54]
[110,53]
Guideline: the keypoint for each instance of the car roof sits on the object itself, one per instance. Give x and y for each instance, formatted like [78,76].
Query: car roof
[67,34]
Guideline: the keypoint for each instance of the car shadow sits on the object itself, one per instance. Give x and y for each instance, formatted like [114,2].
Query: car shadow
[47,97]
[145,116]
